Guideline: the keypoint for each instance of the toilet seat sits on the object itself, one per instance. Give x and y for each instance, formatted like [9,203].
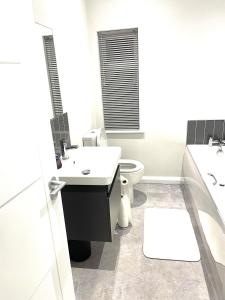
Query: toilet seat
[130,165]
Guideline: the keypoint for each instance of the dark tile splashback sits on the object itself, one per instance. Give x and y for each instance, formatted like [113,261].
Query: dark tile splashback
[199,131]
[60,131]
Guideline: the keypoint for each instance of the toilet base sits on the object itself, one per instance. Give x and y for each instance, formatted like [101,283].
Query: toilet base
[133,178]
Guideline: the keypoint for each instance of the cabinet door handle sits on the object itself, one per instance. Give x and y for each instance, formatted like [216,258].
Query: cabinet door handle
[55,186]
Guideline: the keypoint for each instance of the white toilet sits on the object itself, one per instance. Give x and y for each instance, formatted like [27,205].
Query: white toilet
[132,170]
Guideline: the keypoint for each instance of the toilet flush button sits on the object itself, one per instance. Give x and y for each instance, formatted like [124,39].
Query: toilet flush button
[86,172]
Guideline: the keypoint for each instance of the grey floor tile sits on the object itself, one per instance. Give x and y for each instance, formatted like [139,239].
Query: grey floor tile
[120,271]
[168,197]
[159,188]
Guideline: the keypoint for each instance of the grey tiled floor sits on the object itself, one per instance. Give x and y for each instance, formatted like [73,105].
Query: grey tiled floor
[119,270]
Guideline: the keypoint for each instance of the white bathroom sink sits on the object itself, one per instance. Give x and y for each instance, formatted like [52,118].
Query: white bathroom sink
[101,161]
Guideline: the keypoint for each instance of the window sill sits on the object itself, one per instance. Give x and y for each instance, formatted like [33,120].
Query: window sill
[125,134]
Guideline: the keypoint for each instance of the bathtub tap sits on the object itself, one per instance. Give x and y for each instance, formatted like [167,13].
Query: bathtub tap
[218,143]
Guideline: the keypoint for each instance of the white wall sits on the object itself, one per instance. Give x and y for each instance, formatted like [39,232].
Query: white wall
[68,22]
[182,71]
[43,12]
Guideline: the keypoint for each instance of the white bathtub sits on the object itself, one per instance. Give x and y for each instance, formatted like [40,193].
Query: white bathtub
[208,162]
[207,200]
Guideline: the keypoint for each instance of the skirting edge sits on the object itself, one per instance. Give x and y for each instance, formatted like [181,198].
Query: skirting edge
[162,179]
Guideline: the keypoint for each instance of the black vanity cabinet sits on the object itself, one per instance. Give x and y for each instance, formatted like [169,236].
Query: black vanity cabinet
[91,211]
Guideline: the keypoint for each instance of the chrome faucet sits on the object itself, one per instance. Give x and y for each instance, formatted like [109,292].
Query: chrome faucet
[63,149]
[218,142]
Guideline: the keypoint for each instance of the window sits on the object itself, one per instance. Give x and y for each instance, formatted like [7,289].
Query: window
[53,75]
[119,66]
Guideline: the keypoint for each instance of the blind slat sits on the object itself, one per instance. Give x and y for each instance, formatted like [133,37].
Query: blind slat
[119,66]
[53,74]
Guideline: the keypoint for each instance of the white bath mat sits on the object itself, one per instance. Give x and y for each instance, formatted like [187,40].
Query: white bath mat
[168,234]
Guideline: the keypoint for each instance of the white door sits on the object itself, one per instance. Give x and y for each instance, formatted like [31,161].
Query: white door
[34,259]
[49,166]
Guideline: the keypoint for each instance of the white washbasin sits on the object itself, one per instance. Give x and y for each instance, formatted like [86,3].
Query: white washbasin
[101,161]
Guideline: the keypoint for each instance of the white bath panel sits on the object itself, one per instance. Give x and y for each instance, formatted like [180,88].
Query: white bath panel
[168,234]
